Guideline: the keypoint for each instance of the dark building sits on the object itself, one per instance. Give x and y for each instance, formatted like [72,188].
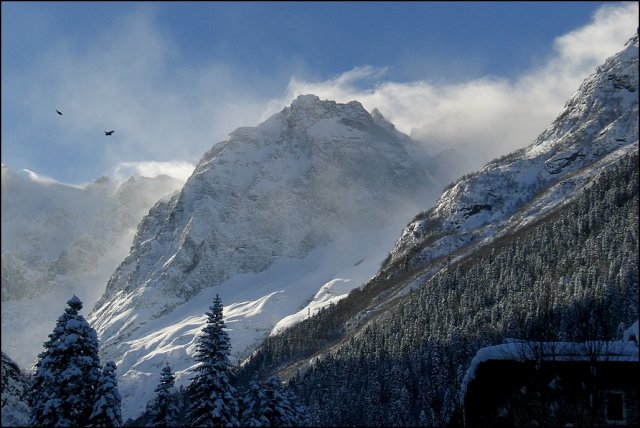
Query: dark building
[556,384]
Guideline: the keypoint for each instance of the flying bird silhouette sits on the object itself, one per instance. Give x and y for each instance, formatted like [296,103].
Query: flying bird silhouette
[108,132]
[58,111]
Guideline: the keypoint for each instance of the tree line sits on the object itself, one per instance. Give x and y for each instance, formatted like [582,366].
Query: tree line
[70,388]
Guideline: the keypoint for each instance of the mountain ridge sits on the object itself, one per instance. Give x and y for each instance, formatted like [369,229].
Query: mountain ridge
[596,121]
[455,230]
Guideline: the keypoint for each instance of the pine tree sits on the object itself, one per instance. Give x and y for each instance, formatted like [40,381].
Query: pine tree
[108,403]
[213,401]
[164,408]
[67,372]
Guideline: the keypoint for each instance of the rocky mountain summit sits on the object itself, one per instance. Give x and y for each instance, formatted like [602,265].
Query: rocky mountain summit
[303,177]
[317,175]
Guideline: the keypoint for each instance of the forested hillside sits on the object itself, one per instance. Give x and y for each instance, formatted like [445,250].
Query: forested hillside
[572,275]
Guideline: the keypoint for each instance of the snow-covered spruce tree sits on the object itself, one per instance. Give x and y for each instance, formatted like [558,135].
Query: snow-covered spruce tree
[164,408]
[253,406]
[108,403]
[67,372]
[281,408]
[300,413]
[212,396]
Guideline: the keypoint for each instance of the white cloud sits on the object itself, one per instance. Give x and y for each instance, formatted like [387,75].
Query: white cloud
[180,170]
[489,116]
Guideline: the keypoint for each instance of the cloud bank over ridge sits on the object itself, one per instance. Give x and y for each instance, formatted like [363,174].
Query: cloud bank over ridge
[489,116]
[134,78]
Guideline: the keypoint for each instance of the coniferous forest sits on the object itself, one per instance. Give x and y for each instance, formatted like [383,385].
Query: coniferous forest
[71,388]
[572,276]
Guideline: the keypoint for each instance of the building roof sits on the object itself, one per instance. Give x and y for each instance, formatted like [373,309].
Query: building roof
[625,350]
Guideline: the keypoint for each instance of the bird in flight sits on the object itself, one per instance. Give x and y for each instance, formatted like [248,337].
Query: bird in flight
[108,132]
[58,111]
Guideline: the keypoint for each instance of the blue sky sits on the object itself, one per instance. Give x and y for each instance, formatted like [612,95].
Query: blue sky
[172,79]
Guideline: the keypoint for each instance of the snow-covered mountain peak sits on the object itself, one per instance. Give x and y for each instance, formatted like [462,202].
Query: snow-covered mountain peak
[326,119]
[275,190]
[310,126]
[612,89]
[307,101]
[316,175]
[312,104]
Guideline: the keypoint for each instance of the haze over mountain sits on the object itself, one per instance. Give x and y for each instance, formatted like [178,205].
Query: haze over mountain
[58,240]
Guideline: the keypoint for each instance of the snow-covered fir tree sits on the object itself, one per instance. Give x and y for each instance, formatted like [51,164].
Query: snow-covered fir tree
[253,406]
[108,403]
[212,396]
[67,372]
[14,386]
[281,406]
[164,407]
[270,404]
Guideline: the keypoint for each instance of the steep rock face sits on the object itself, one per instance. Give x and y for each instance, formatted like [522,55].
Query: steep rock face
[599,123]
[316,173]
[305,176]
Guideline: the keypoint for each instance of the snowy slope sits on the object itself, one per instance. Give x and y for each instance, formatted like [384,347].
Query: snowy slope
[59,240]
[598,125]
[312,197]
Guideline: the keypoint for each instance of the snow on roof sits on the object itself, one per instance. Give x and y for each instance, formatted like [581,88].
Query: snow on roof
[520,350]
